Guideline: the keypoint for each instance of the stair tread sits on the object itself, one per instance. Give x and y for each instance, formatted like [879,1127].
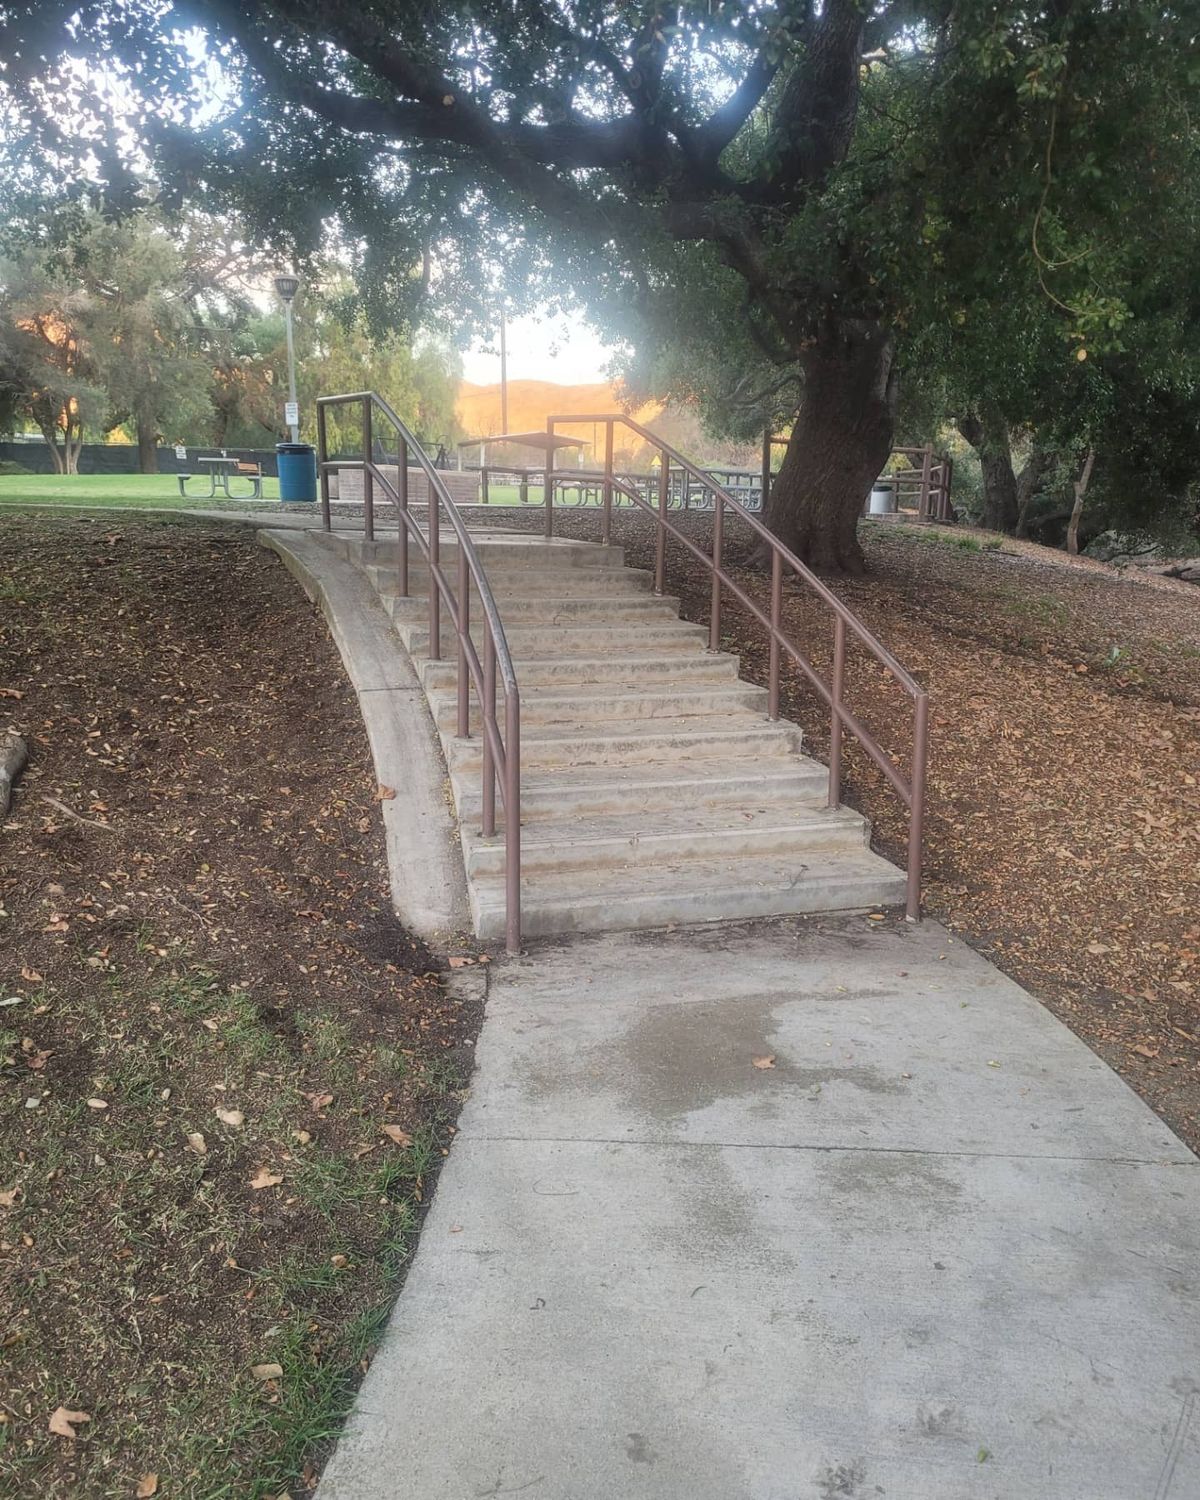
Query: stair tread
[561,888]
[813,818]
[646,773]
[735,721]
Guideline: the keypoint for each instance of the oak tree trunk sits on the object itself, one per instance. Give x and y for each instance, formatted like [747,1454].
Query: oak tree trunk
[1080,487]
[839,445]
[988,434]
[147,442]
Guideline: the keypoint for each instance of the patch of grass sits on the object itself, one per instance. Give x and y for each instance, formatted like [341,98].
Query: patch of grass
[110,489]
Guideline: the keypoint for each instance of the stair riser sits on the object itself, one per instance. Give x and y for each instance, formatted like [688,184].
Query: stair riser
[605,709]
[530,555]
[466,755]
[562,640]
[596,854]
[542,919]
[568,583]
[517,612]
[696,670]
[663,796]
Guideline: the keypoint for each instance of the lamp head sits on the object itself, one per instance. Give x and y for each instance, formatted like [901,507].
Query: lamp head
[287,286]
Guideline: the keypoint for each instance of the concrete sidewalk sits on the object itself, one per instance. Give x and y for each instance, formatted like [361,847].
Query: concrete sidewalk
[935,1251]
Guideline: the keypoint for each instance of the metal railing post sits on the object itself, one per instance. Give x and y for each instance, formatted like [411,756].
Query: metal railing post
[489,717]
[714,609]
[835,713]
[548,523]
[483,487]
[402,492]
[916,813]
[512,821]
[322,460]
[606,523]
[464,622]
[926,507]
[435,553]
[660,540]
[776,618]
[368,477]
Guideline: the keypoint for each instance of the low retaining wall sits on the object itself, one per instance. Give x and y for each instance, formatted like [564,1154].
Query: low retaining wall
[464,488]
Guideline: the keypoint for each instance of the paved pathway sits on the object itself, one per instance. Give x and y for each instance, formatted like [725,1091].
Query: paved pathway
[936,1251]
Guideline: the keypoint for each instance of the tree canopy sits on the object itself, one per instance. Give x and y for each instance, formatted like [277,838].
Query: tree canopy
[785,196]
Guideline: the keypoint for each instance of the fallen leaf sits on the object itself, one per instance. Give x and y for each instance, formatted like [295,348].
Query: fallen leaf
[97,1103]
[197,1143]
[9,1197]
[147,1486]
[232,1117]
[31,976]
[394,1133]
[339,1262]
[267,1372]
[764,1062]
[458,963]
[265,1179]
[1143,1051]
[1099,948]
[384,793]
[64,1422]
[320,1101]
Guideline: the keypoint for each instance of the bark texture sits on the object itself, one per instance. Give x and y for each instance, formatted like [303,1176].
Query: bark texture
[147,441]
[840,443]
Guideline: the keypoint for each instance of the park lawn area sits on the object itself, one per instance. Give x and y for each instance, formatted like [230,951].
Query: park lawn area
[227,1073]
[110,489]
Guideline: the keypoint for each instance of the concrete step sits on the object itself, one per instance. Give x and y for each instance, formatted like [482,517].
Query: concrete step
[629,638]
[688,890]
[508,582]
[667,741]
[532,609]
[794,781]
[675,670]
[608,706]
[654,838]
[504,547]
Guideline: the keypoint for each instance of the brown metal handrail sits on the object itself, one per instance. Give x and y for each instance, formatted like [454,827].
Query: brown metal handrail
[911,791]
[501,753]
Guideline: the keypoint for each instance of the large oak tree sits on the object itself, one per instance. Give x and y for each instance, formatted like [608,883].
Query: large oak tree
[791,179]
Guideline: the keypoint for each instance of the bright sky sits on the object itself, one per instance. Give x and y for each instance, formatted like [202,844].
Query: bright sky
[561,349]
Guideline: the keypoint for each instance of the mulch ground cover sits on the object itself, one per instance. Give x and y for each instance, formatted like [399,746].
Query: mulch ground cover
[1063,831]
[227,1074]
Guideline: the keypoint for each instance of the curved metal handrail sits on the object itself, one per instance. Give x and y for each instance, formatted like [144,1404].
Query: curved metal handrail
[911,791]
[501,753]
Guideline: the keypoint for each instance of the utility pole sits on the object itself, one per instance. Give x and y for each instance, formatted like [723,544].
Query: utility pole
[287,287]
[503,375]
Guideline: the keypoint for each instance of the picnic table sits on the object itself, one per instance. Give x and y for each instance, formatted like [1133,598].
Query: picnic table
[220,470]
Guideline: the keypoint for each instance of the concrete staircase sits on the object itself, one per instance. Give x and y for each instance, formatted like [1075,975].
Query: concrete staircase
[654,788]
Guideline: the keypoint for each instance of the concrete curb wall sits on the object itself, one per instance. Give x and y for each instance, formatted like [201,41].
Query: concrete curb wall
[424,857]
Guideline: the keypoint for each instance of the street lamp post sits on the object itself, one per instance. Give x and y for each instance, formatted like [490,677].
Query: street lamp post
[287,287]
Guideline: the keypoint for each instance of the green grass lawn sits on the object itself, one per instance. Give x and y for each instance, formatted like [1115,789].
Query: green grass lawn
[111,489]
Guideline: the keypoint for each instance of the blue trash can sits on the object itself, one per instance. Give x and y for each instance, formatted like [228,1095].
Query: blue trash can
[297,464]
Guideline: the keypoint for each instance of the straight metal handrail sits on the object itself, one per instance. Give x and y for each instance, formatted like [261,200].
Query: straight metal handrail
[501,752]
[910,790]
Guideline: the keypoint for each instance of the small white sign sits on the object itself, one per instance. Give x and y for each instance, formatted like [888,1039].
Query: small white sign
[291,413]
[180,452]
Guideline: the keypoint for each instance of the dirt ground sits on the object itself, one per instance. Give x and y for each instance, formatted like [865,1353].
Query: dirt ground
[227,1074]
[1063,831]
